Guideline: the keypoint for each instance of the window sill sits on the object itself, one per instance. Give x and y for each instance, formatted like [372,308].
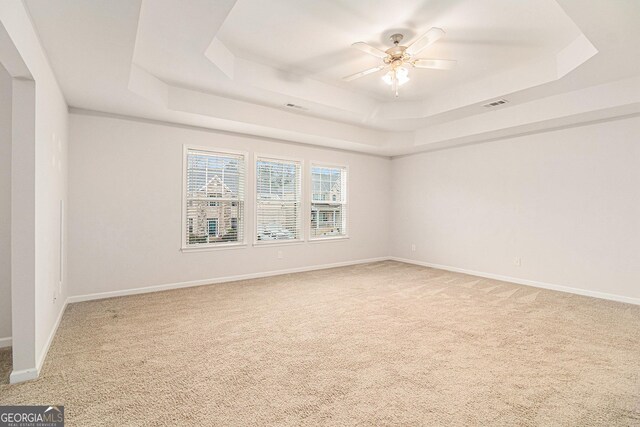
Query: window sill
[214,248]
[328,239]
[269,243]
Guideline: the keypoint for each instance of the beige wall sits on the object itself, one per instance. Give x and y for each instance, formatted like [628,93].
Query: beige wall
[566,203]
[559,201]
[118,166]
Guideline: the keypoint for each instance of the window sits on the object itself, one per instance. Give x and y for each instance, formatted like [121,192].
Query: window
[328,201]
[214,205]
[278,200]
[216,196]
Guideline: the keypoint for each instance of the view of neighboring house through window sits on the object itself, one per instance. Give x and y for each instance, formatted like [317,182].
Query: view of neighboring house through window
[278,200]
[214,198]
[328,201]
[212,227]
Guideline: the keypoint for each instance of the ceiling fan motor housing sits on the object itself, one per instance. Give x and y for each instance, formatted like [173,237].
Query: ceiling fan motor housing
[396,38]
[396,52]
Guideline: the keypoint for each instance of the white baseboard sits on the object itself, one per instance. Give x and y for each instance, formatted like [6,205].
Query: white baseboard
[52,334]
[33,373]
[23,375]
[560,288]
[5,342]
[168,286]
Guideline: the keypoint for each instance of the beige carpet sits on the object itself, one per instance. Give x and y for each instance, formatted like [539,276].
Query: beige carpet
[376,344]
[5,365]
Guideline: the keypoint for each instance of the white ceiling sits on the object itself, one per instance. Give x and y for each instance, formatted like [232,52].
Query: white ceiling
[313,38]
[233,65]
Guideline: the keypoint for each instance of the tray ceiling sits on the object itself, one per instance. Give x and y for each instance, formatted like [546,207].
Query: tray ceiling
[234,65]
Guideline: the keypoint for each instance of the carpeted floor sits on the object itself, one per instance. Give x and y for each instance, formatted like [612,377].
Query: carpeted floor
[5,365]
[376,344]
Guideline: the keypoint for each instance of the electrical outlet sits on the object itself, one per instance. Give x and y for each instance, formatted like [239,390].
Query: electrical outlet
[413,247]
[279,254]
[517,261]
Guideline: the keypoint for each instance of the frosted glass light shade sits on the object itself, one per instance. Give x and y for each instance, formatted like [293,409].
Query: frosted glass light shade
[400,75]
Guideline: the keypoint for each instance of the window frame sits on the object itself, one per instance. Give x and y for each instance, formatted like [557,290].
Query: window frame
[184,247]
[269,243]
[345,204]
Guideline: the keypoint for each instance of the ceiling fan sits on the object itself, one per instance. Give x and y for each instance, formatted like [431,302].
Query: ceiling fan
[395,58]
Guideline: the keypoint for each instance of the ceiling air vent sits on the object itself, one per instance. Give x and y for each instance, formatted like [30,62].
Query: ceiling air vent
[297,107]
[495,103]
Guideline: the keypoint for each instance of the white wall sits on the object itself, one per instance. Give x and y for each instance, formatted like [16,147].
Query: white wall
[5,205]
[125,201]
[566,202]
[37,323]
[51,188]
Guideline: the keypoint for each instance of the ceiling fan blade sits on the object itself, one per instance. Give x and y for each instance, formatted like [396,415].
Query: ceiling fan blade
[362,73]
[366,48]
[435,64]
[425,40]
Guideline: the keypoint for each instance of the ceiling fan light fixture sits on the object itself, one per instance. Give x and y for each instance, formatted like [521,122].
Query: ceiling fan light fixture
[388,78]
[402,75]
[397,57]
[398,75]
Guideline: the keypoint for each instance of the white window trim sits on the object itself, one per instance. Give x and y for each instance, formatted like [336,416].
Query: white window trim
[263,243]
[346,203]
[328,239]
[212,246]
[217,247]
